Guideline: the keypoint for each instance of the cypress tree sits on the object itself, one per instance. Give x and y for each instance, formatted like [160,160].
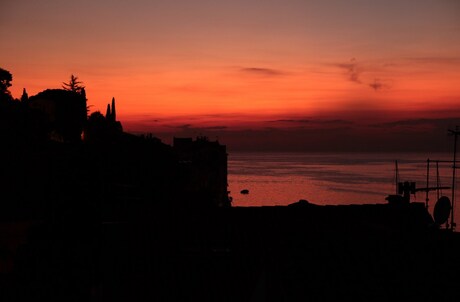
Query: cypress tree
[107,113]
[25,96]
[114,113]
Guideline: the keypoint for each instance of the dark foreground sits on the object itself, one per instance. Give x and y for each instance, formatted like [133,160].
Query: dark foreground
[292,253]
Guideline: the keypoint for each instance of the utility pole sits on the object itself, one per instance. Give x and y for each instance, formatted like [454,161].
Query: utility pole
[427,182]
[396,177]
[455,133]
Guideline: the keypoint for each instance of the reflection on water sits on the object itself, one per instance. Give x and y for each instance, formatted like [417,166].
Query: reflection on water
[283,178]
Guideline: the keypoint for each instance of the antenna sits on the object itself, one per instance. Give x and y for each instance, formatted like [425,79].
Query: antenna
[396,177]
[438,180]
[427,181]
[455,133]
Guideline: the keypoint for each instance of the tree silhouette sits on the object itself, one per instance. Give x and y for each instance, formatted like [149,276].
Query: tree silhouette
[73,85]
[25,96]
[5,82]
[65,111]
[97,128]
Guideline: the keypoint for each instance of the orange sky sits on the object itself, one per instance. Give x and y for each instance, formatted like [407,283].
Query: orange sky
[240,65]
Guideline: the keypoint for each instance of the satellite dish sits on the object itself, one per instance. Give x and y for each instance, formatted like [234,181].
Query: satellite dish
[442,210]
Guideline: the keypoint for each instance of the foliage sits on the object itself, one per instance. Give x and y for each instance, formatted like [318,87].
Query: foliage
[5,82]
[65,111]
[73,85]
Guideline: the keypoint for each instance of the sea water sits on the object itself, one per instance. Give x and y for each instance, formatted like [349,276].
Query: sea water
[336,178]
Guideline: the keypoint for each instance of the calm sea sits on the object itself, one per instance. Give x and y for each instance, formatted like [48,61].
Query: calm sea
[329,178]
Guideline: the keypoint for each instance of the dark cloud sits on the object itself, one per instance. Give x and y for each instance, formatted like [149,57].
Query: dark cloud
[421,123]
[378,85]
[352,70]
[183,127]
[214,128]
[290,121]
[148,120]
[310,134]
[410,122]
[141,123]
[271,129]
[190,129]
[333,135]
[259,71]
[313,121]
[334,122]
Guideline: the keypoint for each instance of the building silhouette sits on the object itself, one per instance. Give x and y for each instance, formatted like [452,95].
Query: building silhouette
[202,171]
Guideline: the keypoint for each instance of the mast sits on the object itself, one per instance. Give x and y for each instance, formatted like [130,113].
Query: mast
[427,181]
[396,177]
[438,180]
[455,133]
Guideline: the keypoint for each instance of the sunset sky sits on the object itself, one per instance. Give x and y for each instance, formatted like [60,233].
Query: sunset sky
[257,75]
